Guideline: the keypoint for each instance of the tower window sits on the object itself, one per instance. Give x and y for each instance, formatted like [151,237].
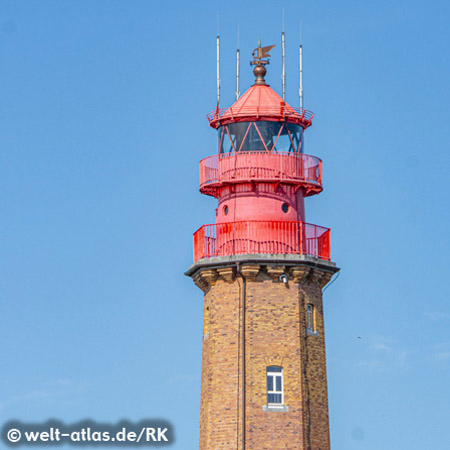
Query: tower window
[225,209]
[274,375]
[285,207]
[311,320]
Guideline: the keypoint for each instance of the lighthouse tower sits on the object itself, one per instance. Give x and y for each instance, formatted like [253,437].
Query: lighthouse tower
[262,269]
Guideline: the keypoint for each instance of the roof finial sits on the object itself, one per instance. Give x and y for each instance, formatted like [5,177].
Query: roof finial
[258,54]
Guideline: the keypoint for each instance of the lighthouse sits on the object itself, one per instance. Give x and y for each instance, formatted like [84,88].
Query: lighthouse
[262,269]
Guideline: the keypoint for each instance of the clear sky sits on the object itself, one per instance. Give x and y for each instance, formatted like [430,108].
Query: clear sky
[102,126]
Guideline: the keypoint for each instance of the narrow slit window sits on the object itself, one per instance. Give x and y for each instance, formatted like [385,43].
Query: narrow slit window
[310,319]
[274,375]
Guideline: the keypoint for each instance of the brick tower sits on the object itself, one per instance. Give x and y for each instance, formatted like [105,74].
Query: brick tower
[262,270]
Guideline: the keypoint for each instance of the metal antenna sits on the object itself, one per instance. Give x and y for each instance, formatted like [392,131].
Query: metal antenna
[302,142]
[283,71]
[237,66]
[283,54]
[301,69]
[218,63]
[218,71]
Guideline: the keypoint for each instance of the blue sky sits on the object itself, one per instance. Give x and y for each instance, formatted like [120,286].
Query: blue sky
[102,126]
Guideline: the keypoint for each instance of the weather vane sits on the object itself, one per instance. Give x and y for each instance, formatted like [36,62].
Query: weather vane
[259,53]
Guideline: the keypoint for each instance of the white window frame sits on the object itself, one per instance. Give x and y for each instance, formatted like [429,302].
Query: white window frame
[274,375]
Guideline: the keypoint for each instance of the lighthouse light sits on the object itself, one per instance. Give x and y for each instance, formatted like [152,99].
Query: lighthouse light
[260,136]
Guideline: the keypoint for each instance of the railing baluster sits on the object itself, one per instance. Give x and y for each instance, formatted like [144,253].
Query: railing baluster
[261,166]
[250,237]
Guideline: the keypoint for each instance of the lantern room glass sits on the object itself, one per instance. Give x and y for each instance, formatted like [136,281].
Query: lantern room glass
[260,136]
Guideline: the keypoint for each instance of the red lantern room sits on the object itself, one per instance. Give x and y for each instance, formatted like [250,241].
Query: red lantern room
[260,177]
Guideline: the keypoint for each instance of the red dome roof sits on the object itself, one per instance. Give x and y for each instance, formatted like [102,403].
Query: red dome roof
[260,102]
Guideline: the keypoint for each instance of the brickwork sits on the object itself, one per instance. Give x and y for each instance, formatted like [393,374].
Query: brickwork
[274,326]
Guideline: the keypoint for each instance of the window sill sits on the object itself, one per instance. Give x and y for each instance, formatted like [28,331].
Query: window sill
[310,332]
[279,408]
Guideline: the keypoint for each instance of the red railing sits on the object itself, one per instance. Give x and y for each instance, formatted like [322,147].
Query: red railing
[281,113]
[267,237]
[296,168]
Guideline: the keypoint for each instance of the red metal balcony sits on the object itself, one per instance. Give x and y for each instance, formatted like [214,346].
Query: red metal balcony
[266,237]
[282,167]
[283,113]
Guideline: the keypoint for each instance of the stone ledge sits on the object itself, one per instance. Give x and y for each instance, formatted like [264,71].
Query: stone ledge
[275,408]
[310,332]
[217,262]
